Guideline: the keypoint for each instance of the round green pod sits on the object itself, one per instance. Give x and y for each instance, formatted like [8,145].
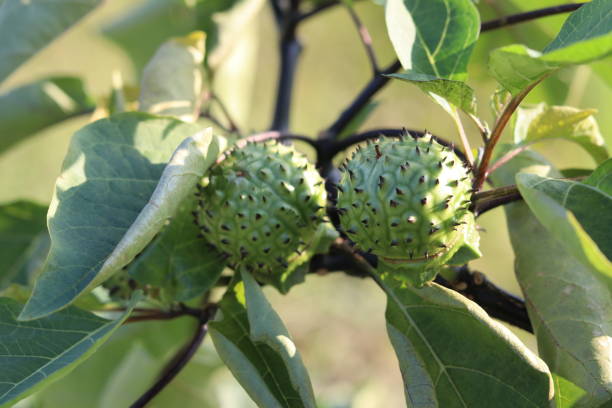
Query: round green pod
[407,201]
[261,207]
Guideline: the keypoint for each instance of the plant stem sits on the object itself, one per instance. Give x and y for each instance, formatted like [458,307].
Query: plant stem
[180,360]
[500,125]
[366,39]
[529,15]
[465,143]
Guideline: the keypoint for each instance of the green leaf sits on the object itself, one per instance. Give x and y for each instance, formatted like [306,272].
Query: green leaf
[255,345]
[567,394]
[28,26]
[434,40]
[576,214]
[542,122]
[145,27]
[452,354]
[456,93]
[435,37]
[21,223]
[602,177]
[30,108]
[568,305]
[172,80]
[120,182]
[143,348]
[34,354]
[586,36]
[179,261]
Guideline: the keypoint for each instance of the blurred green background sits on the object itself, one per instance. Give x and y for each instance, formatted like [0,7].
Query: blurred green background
[336,321]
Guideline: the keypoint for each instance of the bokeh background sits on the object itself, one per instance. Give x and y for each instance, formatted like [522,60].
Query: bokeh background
[336,321]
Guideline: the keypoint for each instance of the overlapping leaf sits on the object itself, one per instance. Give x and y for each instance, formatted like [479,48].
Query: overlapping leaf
[569,306]
[577,214]
[119,185]
[35,106]
[172,80]
[21,222]
[28,26]
[179,261]
[452,354]
[586,36]
[253,342]
[433,41]
[34,354]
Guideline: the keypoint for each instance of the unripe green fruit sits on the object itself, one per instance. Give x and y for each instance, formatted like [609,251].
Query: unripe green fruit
[407,201]
[261,207]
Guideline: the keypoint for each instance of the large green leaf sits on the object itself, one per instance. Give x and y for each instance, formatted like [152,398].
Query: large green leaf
[586,36]
[253,342]
[179,261]
[35,106]
[21,223]
[456,93]
[577,214]
[172,81]
[28,26]
[144,28]
[120,183]
[569,307]
[452,354]
[433,41]
[34,354]
[543,122]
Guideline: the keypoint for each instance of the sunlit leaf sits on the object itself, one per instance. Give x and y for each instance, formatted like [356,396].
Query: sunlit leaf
[119,185]
[542,122]
[172,81]
[586,36]
[253,342]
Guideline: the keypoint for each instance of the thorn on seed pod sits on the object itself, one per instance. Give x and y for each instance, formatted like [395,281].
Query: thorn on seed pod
[398,191]
[423,200]
[421,179]
[394,242]
[378,153]
[393,203]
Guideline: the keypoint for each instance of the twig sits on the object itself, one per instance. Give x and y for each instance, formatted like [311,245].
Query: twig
[483,169]
[155,314]
[379,81]
[495,301]
[290,49]
[487,200]
[360,101]
[317,9]
[180,360]
[366,39]
[529,15]
[232,123]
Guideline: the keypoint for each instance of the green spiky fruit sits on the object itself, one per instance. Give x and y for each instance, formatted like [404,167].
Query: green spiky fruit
[407,201]
[262,207]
